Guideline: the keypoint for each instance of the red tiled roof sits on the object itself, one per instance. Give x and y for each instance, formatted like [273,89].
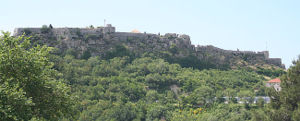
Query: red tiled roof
[274,80]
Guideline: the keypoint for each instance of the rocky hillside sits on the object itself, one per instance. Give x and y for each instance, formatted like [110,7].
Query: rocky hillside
[105,42]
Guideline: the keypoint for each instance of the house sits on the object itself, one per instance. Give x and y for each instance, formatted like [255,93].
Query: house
[274,83]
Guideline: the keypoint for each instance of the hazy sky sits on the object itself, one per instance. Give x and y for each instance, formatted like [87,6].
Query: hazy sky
[254,25]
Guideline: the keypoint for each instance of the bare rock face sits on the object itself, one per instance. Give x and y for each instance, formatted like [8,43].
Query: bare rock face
[99,41]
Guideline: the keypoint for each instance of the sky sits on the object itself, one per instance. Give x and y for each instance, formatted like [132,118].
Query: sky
[251,25]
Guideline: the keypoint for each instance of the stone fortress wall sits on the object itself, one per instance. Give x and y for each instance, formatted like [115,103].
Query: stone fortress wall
[101,40]
[251,56]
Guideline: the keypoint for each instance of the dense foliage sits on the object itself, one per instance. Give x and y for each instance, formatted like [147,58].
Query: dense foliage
[125,86]
[285,104]
[29,87]
[152,89]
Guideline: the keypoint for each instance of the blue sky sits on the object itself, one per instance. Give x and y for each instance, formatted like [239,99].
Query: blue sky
[254,25]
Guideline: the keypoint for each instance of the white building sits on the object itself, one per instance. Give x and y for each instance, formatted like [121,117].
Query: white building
[274,83]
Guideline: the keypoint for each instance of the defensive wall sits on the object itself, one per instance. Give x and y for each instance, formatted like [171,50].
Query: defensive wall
[102,39]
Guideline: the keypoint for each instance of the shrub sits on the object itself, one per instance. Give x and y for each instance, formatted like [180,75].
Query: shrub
[27,31]
[45,29]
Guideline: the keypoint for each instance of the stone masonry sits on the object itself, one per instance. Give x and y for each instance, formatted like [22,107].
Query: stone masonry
[102,39]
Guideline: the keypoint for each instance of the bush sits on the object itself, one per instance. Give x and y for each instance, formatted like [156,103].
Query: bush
[45,29]
[27,31]
[78,32]
[86,54]
[90,36]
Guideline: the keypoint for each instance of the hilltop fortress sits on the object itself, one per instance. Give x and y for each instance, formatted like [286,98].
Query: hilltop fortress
[98,41]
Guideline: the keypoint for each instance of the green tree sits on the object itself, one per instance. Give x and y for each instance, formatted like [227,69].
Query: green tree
[260,102]
[201,96]
[29,87]
[286,102]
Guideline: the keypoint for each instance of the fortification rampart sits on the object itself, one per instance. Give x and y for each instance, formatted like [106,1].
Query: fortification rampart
[230,55]
[210,48]
[66,31]
[100,40]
